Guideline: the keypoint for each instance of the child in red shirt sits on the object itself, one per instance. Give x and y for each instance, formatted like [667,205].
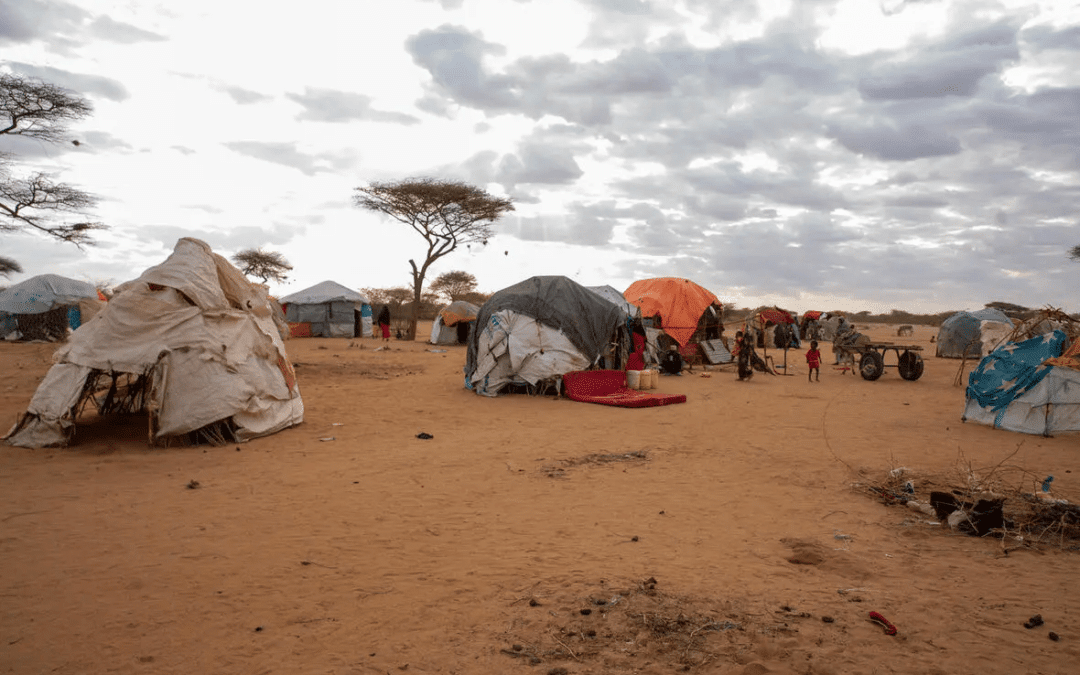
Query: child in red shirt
[813,358]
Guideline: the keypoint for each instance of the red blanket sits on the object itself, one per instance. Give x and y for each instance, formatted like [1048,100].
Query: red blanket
[608,387]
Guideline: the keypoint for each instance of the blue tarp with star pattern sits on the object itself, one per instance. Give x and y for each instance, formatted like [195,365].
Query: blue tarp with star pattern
[1012,369]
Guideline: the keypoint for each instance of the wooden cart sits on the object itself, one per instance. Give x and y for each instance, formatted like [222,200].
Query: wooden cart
[872,364]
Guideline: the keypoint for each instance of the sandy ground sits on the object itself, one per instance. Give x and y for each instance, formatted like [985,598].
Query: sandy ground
[734,533]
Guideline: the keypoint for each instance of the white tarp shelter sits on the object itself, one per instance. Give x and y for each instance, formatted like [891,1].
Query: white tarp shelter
[331,309]
[539,329]
[45,307]
[192,342]
[1021,387]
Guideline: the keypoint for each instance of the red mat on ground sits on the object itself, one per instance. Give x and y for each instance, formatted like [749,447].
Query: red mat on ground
[608,387]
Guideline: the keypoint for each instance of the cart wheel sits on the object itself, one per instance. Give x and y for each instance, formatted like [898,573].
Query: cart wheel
[910,366]
[871,366]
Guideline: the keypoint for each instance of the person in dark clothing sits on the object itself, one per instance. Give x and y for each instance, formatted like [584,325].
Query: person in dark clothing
[713,327]
[671,362]
[384,322]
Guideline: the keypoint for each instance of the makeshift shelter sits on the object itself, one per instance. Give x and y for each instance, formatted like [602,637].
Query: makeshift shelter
[328,309]
[454,323]
[46,307]
[775,327]
[681,305]
[973,335]
[1032,386]
[821,326]
[612,295]
[533,332]
[1044,321]
[191,342]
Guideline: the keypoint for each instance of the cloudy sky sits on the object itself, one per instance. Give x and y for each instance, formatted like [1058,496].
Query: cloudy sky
[850,154]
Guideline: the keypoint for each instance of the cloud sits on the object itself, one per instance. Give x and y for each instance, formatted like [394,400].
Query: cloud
[244,96]
[327,105]
[887,142]
[80,83]
[1041,38]
[954,66]
[535,163]
[29,20]
[63,26]
[287,154]
[106,28]
[453,56]
[226,241]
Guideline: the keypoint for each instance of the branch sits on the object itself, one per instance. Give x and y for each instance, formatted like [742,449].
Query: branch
[22,200]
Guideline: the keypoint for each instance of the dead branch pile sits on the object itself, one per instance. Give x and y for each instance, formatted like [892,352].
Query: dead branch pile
[616,629]
[1044,321]
[1004,501]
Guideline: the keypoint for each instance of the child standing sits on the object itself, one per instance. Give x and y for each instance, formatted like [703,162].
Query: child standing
[813,359]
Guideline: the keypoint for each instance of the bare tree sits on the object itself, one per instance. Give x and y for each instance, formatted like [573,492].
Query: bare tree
[263,264]
[9,266]
[445,213]
[454,285]
[42,111]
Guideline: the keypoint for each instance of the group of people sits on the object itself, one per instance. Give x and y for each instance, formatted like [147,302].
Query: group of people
[747,360]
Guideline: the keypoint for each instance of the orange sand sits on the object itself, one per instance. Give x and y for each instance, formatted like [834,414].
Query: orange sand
[378,552]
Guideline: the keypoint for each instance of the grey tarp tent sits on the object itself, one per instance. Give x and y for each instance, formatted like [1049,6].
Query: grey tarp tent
[45,307]
[973,334]
[191,342]
[331,309]
[539,329]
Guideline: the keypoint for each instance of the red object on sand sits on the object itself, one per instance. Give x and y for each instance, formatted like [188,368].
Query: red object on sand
[879,619]
[608,387]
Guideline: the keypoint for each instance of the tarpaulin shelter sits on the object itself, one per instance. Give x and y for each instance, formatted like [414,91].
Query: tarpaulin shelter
[538,329]
[191,342]
[46,307]
[611,294]
[973,335]
[330,310]
[1031,387]
[454,323]
[680,304]
[777,327]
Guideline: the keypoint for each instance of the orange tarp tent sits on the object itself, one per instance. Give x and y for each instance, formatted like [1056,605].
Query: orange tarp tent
[679,302]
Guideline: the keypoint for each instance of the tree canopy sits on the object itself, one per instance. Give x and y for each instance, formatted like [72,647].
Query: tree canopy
[263,264]
[445,213]
[43,111]
[455,285]
[1074,252]
[9,266]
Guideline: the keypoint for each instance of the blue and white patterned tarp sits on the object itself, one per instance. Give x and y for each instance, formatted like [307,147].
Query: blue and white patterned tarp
[1012,369]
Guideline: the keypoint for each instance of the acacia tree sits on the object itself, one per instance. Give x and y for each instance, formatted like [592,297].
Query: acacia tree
[42,111]
[9,266]
[263,264]
[456,285]
[445,213]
